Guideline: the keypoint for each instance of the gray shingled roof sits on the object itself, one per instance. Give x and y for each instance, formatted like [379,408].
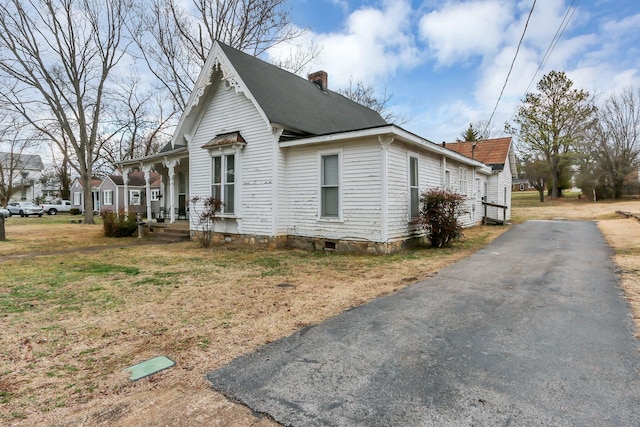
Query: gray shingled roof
[296,103]
[23,162]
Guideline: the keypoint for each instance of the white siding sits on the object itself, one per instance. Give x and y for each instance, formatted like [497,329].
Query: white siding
[361,207]
[506,181]
[229,111]
[430,177]
[398,198]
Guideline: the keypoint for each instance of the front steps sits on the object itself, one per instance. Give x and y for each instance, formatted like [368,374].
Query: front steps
[169,233]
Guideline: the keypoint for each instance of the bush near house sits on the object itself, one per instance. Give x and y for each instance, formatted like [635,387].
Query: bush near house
[118,224]
[74,211]
[439,213]
[206,210]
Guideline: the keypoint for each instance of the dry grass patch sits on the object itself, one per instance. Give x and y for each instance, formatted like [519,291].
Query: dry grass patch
[623,235]
[30,235]
[73,322]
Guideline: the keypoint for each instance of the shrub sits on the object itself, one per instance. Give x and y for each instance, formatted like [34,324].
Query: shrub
[118,225]
[74,211]
[439,213]
[206,210]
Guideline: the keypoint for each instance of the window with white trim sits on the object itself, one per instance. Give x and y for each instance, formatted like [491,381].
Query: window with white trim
[107,197]
[462,187]
[330,186]
[447,180]
[77,198]
[155,195]
[223,181]
[414,189]
[134,197]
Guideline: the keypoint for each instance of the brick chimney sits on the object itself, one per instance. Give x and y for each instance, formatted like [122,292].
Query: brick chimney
[321,78]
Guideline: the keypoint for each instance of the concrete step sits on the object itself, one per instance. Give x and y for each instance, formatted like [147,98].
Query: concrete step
[167,233]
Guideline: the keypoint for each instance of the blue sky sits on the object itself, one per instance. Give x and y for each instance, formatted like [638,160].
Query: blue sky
[445,62]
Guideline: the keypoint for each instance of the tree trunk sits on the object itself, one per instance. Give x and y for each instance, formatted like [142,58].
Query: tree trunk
[3,236]
[541,193]
[88,200]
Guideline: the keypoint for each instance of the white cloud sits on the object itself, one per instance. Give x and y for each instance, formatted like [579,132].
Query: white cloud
[374,43]
[459,31]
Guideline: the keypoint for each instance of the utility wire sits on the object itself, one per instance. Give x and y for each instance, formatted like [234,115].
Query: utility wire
[511,67]
[554,42]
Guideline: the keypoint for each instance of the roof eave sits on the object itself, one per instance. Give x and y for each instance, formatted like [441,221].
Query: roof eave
[152,157]
[389,131]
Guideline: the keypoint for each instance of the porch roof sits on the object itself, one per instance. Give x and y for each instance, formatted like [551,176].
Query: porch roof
[168,150]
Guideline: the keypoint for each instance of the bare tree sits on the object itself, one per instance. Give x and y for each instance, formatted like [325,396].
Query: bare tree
[56,59]
[61,159]
[616,140]
[366,95]
[178,38]
[143,122]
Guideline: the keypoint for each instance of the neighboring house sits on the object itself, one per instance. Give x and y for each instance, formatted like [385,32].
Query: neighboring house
[77,194]
[299,165]
[112,193]
[26,173]
[522,184]
[497,153]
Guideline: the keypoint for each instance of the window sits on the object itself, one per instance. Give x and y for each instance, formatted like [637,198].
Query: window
[134,197]
[330,186]
[223,181]
[462,187]
[447,180]
[77,198]
[107,197]
[155,195]
[414,191]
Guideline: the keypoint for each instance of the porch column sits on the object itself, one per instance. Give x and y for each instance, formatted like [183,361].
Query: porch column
[172,192]
[125,179]
[147,188]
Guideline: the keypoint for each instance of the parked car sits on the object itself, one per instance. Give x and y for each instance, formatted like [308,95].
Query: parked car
[24,209]
[59,206]
[5,212]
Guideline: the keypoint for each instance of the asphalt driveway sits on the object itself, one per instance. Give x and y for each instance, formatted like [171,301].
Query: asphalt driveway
[532,330]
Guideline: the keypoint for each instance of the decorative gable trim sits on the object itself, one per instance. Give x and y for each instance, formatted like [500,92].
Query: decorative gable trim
[217,66]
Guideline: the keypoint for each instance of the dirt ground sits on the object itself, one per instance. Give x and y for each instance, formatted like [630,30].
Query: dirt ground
[180,396]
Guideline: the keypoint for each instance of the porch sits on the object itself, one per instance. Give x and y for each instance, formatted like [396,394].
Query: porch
[170,203]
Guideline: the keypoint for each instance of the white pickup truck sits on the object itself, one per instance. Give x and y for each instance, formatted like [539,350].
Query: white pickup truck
[59,206]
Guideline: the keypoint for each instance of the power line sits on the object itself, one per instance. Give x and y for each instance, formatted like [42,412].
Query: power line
[554,42]
[506,80]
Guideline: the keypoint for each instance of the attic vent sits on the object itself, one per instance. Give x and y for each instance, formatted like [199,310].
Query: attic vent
[320,78]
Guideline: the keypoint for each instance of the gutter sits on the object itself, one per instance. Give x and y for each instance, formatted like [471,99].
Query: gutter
[391,131]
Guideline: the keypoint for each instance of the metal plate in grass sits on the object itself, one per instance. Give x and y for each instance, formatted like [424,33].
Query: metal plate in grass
[149,367]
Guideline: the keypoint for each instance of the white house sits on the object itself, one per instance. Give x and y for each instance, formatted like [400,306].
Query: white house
[499,154]
[24,171]
[297,164]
